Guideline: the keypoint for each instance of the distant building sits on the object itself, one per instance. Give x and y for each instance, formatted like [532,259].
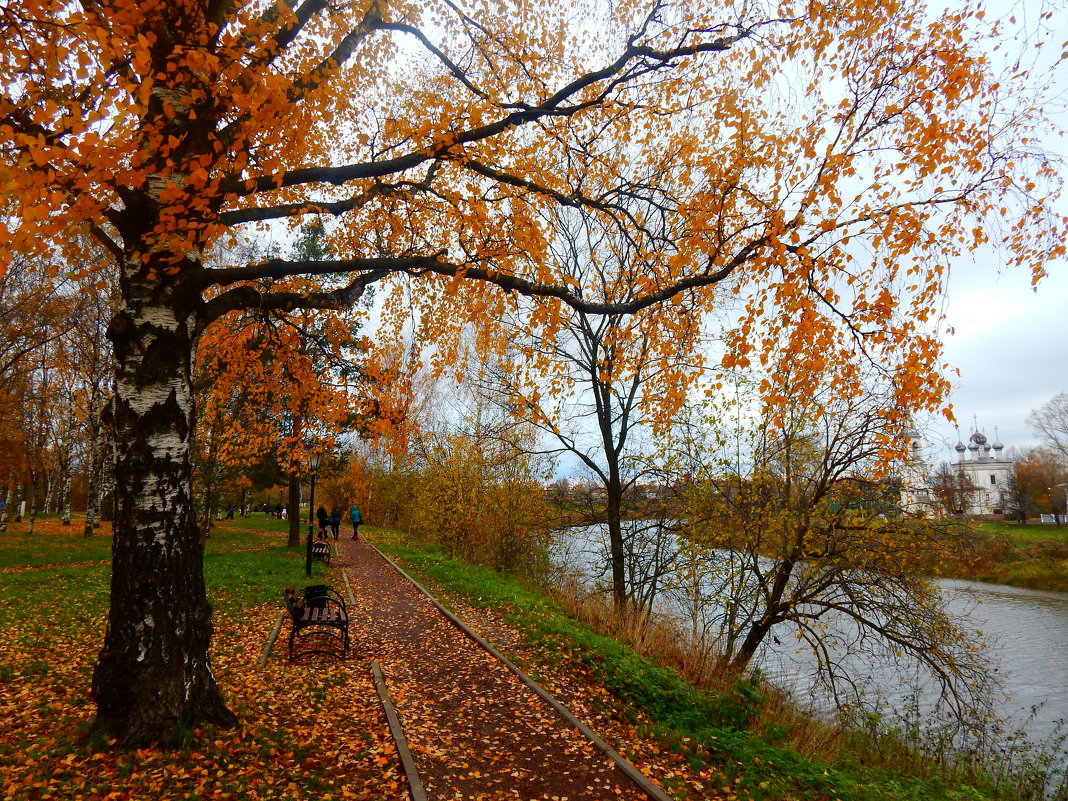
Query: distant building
[988,470]
[915,477]
[984,477]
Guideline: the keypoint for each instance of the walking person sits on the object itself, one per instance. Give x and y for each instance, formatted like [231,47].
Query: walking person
[320,515]
[356,518]
[335,522]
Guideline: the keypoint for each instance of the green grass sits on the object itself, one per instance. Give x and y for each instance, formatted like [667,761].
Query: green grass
[239,579]
[258,521]
[18,549]
[241,567]
[712,730]
[1033,556]
[1027,533]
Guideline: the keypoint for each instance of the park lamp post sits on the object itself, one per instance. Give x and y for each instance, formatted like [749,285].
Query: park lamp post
[314,460]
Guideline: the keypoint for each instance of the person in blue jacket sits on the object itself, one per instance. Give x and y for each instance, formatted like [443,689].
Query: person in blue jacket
[356,518]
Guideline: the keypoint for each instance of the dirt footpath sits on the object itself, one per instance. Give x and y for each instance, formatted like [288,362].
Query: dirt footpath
[475,730]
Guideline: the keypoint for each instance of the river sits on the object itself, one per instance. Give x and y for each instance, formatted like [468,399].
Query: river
[1027,632]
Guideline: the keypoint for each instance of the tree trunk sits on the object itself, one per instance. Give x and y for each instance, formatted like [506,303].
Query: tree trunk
[207,507]
[32,496]
[773,615]
[153,673]
[293,510]
[50,493]
[107,476]
[66,448]
[64,509]
[619,565]
[6,498]
[95,478]
[294,489]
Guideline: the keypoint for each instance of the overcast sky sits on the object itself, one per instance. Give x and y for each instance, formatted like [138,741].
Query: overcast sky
[1011,341]
[1011,347]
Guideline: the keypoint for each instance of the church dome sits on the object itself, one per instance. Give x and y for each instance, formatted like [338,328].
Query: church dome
[978,439]
[998,445]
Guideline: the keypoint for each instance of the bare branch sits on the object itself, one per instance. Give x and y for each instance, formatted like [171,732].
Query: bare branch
[635,61]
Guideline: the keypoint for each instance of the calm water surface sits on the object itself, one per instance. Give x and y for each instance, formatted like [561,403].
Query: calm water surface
[1027,629]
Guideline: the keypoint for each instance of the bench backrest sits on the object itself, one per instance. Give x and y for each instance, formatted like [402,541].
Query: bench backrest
[293,603]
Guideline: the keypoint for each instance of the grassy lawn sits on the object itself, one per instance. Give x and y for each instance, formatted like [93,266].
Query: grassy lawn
[1033,555]
[53,543]
[304,733]
[1027,533]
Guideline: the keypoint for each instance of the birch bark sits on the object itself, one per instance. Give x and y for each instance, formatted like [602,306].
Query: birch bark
[153,672]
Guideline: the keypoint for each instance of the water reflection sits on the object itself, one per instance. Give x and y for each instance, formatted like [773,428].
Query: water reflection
[1027,631]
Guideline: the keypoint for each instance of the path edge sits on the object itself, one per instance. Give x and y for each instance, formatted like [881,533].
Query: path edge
[266,652]
[415,786]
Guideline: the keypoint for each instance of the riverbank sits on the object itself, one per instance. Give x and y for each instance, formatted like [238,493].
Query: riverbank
[740,739]
[1033,556]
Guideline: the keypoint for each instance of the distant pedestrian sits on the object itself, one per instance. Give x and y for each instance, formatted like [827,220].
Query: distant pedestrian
[335,522]
[230,512]
[356,518]
[320,515]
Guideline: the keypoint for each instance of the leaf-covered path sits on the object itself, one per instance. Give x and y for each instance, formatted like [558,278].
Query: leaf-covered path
[475,730]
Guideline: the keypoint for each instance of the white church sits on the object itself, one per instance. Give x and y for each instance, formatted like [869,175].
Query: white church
[982,464]
[988,473]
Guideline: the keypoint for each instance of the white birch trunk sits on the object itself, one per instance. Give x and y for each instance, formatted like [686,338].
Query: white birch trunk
[6,496]
[153,673]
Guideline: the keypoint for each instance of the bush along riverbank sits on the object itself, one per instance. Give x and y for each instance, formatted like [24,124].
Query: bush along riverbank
[1032,555]
[727,738]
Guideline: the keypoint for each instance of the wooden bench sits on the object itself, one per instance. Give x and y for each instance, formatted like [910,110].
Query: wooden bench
[321,550]
[319,621]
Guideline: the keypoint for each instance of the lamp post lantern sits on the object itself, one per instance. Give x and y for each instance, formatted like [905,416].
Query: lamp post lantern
[314,460]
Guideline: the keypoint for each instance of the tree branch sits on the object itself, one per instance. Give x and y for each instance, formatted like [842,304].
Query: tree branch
[423,265]
[634,61]
[249,297]
[335,208]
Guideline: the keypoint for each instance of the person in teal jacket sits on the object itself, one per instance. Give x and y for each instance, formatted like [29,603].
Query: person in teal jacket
[356,518]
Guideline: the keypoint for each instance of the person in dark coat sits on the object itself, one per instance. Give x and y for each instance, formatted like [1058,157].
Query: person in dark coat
[335,521]
[320,515]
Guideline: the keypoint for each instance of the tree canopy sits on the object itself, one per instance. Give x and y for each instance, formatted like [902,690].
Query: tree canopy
[824,161]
